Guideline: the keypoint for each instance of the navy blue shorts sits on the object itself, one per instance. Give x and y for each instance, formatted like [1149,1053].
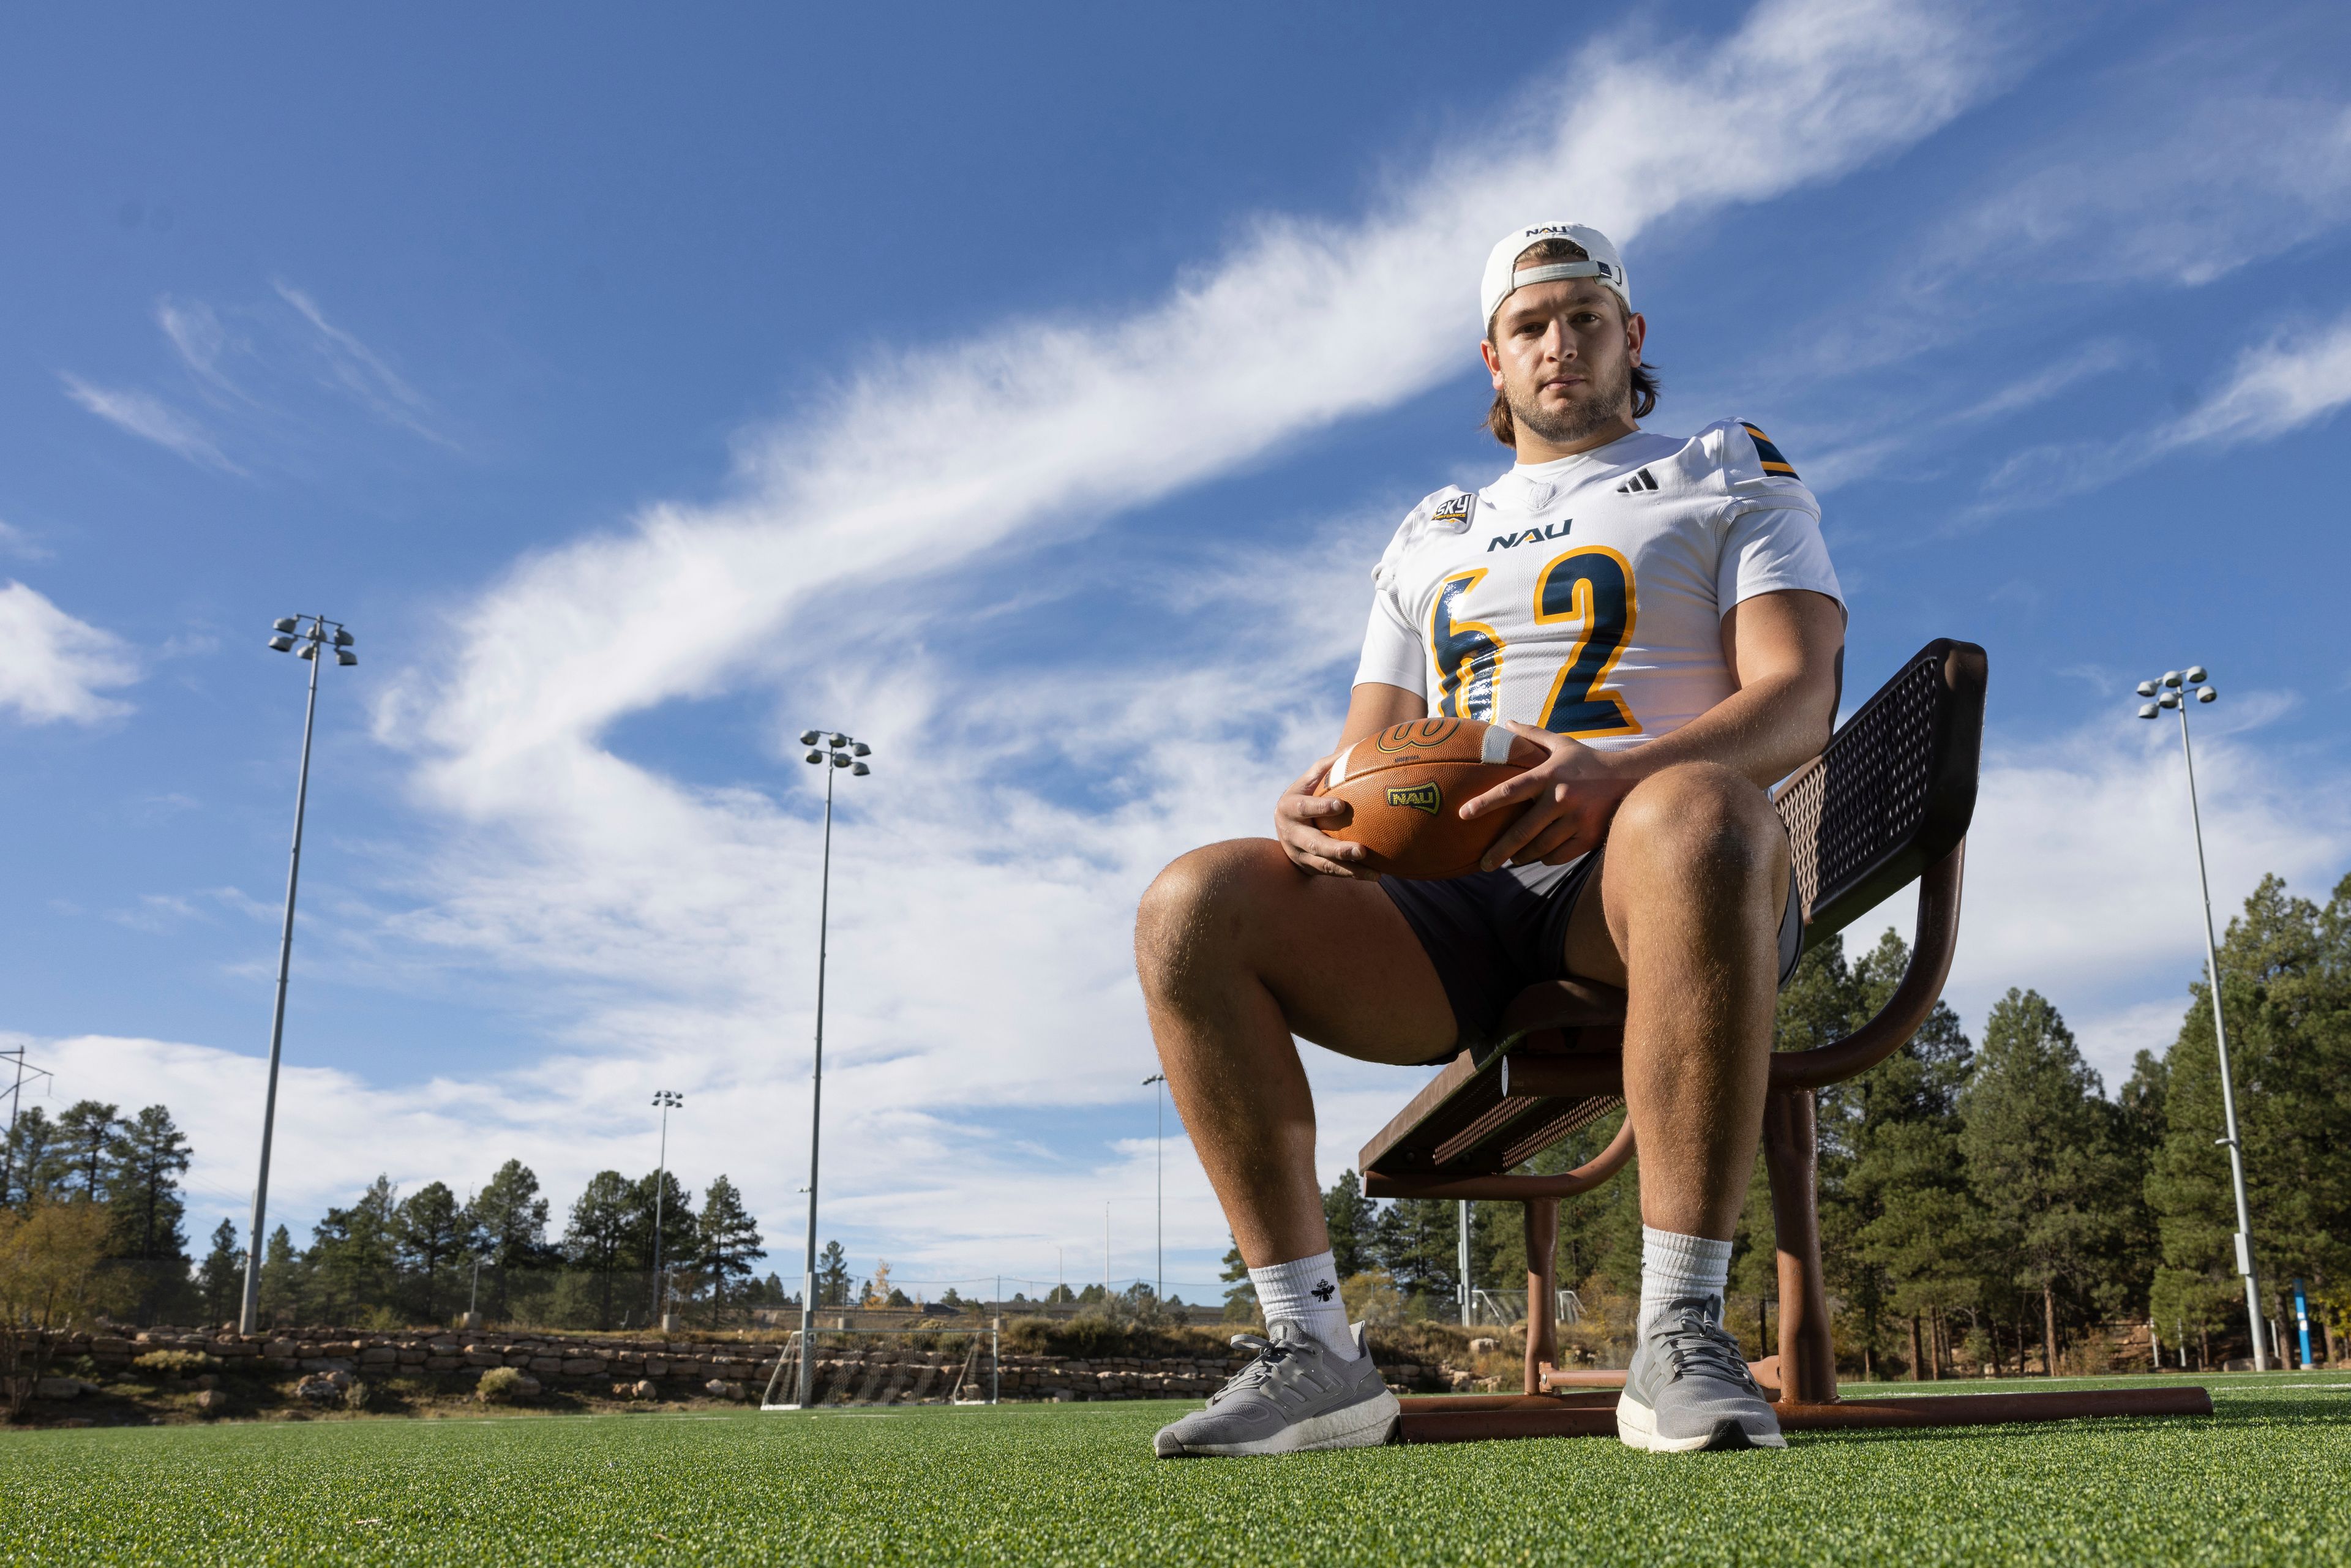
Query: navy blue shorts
[1493,934]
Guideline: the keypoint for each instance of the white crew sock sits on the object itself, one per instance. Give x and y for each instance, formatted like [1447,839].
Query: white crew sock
[1675,1267]
[1306,1293]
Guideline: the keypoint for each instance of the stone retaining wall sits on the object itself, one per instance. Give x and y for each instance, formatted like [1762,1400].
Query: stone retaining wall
[681,1368]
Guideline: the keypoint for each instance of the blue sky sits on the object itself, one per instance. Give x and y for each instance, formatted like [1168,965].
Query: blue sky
[1031,396]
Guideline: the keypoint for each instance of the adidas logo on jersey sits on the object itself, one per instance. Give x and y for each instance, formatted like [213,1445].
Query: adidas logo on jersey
[1638,483]
[1557,530]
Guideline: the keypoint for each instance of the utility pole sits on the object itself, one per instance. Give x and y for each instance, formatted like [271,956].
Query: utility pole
[15,1095]
[315,641]
[832,752]
[2169,692]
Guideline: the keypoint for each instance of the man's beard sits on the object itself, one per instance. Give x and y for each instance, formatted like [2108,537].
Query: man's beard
[1582,415]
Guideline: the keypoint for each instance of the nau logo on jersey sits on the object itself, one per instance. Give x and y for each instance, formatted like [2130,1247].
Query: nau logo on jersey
[1643,482]
[1426,797]
[1557,530]
[1775,462]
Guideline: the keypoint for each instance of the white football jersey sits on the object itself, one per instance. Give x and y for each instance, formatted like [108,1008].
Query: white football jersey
[1586,596]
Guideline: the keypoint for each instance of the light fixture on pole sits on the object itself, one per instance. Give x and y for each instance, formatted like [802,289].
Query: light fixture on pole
[668,1100]
[306,637]
[2172,691]
[832,751]
[1159,1182]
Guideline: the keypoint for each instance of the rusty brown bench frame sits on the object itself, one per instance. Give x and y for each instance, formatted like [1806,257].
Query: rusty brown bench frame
[1889,802]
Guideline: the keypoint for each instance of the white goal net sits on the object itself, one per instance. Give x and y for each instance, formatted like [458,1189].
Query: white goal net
[886,1366]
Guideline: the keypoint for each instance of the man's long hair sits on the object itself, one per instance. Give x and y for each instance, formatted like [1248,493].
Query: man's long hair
[1644,377]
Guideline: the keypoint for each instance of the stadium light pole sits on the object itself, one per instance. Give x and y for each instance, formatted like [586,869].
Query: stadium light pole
[287,635]
[832,751]
[668,1100]
[1159,1184]
[2170,691]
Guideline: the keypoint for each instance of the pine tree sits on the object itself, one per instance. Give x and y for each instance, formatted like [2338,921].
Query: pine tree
[2040,1155]
[33,1163]
[1349,1216]
[432,1237]
[2286,972]
[832,1276]
[1416,1240]
[355,1269]
[601,1236]
[85,1134]
[672,1217]
[221,1280]
[1913,1225]
[284,1280]
[147,1154]
[510,1216]
[727,1241]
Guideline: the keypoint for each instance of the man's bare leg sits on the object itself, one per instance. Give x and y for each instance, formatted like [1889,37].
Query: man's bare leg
[1684,916]
[1238,949]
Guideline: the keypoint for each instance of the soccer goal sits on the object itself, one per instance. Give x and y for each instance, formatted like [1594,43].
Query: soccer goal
[887,1366]
[1500,1309]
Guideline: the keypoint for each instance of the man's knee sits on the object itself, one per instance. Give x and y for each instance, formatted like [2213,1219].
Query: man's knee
[1699,821]
[1195,910]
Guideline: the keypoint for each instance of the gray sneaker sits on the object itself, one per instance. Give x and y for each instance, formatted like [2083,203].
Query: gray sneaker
[1294,1395]
[1688,1387]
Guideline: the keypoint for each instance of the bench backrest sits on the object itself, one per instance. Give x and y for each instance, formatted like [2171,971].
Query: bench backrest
[1894,792]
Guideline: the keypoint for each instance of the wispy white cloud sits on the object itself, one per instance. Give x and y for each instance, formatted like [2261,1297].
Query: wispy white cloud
[14,542]
[1856,457]
[196,335]
[256,370]
[2206,150]
[150,419]
[54,668]
[2297,378]
[362,373]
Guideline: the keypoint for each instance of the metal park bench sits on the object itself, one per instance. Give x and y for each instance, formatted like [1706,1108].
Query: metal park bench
[1887,804]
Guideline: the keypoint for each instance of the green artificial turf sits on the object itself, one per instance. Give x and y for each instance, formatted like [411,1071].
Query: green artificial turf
[2267,1478]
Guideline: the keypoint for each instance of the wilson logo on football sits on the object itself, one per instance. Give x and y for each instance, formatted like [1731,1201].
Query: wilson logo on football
[1425,732]
[1417,798]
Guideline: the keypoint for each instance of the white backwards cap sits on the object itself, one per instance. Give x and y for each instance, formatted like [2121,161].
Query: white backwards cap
[1503,274]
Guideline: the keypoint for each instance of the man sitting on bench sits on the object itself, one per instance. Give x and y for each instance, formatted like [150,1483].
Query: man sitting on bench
[1660,613]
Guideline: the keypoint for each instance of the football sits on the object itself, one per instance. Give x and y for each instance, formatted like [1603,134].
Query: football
[1407,783]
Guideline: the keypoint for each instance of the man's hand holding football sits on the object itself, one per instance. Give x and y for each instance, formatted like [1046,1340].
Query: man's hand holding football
[1299,818]
[1569,796]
